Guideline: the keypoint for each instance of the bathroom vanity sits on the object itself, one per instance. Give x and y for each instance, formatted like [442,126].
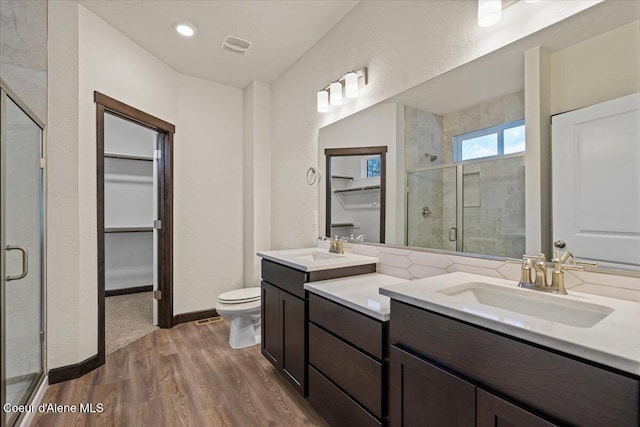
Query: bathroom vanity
[471,350]
[285,305]
[349,349]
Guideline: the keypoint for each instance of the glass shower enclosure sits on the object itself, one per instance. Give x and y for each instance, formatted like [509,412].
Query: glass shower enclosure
[474,206]
[22,253]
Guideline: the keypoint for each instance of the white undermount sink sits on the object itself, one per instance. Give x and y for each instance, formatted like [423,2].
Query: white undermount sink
[531,303]
[317,256]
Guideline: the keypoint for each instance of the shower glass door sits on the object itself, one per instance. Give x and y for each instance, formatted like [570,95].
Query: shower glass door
[22,231]
[432,215]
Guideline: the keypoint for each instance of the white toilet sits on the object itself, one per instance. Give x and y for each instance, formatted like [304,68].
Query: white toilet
[241,307]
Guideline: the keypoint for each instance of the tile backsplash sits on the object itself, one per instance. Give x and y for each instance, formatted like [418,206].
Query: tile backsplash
[413,264]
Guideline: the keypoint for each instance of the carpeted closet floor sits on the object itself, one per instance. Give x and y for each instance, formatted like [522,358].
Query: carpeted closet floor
[127,319]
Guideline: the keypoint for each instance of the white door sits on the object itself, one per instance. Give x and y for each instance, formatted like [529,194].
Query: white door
[596,181]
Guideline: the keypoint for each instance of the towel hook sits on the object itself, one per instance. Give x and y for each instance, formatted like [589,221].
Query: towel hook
[313,175]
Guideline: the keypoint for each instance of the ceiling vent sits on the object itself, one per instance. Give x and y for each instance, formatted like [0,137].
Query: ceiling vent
[235,45]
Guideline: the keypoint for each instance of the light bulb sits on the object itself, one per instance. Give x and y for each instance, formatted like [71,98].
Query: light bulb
[323,101]
[489,12]
[351,84]
[335,93]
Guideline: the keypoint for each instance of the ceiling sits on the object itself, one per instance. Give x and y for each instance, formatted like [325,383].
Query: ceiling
[281,32]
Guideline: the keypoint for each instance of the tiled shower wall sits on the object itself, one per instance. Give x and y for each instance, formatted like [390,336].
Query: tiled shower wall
[413,264]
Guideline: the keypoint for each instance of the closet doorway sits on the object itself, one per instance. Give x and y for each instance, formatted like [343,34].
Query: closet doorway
[134,188]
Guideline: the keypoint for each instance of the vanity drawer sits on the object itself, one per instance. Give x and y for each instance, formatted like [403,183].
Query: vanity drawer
[286,278]
[334,406]
[362,331]
[358,374]
[561,387]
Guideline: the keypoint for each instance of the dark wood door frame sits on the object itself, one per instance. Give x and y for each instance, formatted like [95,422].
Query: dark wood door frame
[358,151]
[165,208]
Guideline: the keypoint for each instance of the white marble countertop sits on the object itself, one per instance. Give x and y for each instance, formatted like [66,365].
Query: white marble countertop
[613,341]
[358,292]
[315,259]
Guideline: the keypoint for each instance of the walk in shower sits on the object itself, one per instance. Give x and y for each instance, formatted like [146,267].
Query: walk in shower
[22,252]
[475,206]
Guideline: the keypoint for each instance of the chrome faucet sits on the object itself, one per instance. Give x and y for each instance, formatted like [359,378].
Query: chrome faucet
[336,246]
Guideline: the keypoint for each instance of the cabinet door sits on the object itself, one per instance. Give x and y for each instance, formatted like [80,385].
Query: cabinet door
[293,339]
[495,412]
[422,394]
[271,324]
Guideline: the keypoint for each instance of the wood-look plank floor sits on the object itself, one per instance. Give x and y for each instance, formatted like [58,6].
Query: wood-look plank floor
[184,376]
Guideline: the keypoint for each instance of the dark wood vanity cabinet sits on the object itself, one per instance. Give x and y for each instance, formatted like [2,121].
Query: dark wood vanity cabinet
[424,394]
[348,364]
[445,372]
[283,333]
[284,316]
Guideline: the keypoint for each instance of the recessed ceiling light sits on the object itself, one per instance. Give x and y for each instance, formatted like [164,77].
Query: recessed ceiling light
[185,29]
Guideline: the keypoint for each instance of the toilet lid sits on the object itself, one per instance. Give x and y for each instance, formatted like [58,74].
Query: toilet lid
[239,296]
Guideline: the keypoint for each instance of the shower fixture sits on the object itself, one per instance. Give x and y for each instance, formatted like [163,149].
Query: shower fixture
[431,157]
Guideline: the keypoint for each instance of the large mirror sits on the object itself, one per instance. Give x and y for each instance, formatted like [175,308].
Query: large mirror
[469,152]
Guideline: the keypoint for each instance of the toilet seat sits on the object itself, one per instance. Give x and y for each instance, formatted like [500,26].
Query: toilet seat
[238,308]
[240,296]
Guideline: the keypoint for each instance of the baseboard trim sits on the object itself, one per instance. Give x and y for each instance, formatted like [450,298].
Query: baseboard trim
[194,315]
[126,291]
[70,372]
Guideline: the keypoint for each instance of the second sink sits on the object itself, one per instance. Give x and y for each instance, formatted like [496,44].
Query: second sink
[547,307]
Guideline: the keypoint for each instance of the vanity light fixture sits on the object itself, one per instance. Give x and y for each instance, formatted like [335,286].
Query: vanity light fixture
[351,84]
[335,93]
[185,29]
[348,86]
[323,101]
[489,12]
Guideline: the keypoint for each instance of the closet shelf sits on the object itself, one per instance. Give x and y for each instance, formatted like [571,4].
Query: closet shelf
[357,189]
[341,177]
[127,229]
[342,224]
[127,157]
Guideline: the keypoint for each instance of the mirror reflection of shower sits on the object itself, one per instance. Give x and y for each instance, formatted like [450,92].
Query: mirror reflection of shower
[475,207]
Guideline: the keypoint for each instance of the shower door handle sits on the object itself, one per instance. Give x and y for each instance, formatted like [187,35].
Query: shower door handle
[25,262]
[453,231]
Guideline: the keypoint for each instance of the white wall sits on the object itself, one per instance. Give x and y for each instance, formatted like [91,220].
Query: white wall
[596,70]
[257,178]
[402,44]
[63,254]
[86,54]
[208,214]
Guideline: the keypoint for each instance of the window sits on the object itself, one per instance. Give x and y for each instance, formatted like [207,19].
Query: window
[499,140]
[373,166]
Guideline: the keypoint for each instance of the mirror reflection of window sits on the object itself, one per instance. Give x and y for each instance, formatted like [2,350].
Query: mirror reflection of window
[508,138]
[373,166]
